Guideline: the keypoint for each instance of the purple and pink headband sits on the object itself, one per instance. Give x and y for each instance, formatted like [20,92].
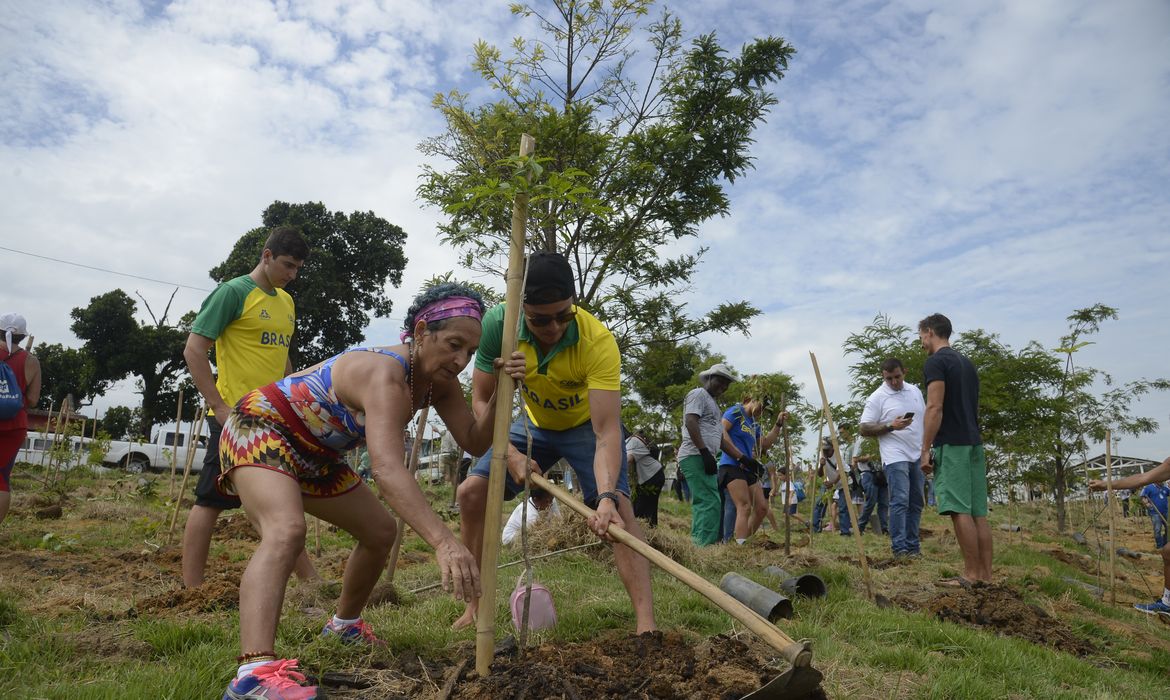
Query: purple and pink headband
[445,308]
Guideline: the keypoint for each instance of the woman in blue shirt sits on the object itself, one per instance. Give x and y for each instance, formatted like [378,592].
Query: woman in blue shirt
[740,468]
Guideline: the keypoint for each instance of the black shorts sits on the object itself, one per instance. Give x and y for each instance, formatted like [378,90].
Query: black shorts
[206,493]
[730,472]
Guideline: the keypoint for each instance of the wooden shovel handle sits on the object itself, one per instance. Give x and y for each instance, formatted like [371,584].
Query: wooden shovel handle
[797,653]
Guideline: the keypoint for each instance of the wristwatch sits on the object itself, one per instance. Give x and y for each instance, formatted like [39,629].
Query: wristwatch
[611,495]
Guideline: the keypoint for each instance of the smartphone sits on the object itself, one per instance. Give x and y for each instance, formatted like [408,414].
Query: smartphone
[909,415]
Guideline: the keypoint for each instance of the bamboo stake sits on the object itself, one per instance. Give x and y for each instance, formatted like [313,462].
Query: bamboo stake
[197,429]
[787,480]
[57,430]
[317,532]
[1109,490]
[45,434]
[412,467]
[175,447]
[485,626]
[814,490]
[843,474]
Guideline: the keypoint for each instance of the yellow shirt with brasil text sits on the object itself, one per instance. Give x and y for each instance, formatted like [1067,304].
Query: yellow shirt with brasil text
[556,387]
[252,330]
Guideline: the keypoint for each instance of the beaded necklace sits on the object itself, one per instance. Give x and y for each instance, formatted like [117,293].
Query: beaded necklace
[410,379]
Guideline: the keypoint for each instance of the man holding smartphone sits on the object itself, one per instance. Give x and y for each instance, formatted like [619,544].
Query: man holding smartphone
[893,415]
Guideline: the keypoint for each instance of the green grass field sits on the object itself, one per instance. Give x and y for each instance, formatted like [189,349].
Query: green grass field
[90,606]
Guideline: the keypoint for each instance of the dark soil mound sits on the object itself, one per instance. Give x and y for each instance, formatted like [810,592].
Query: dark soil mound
[214,595]
[654,665]
[1002,610]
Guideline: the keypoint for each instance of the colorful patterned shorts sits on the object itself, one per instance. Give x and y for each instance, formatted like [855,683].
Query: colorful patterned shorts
[257,435]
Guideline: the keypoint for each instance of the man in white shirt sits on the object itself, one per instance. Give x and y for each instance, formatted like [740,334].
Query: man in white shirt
[893,414]
[540,504]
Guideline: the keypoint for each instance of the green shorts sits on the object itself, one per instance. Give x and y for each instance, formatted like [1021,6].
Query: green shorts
[960,480]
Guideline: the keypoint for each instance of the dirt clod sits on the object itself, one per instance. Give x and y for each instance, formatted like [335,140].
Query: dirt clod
[1001,609]
[212,596]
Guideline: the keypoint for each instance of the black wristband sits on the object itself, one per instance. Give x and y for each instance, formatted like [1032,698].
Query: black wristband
[611,495]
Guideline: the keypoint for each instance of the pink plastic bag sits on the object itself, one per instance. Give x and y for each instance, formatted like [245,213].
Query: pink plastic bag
[541,612]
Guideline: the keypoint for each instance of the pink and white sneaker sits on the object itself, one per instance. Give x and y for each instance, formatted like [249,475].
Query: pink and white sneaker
[277,680]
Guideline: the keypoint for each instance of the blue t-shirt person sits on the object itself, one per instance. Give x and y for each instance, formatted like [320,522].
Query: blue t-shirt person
[1159,495]
[744,433]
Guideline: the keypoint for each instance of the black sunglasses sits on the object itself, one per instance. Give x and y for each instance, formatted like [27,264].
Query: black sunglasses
[541,320]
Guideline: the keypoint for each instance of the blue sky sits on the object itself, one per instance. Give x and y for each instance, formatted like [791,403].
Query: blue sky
[1003,163]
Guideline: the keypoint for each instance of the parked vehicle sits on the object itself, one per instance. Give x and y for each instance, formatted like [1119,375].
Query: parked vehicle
[135,456]
[37,446]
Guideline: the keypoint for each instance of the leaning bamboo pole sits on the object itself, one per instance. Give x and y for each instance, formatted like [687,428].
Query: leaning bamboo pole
[1112,533]
[485,629]
[412,467]
[787,481]
[175,447]
[843,475]
[197,429]
[813,491]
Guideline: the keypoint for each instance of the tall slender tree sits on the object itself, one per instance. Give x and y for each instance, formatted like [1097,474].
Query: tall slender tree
[645,144]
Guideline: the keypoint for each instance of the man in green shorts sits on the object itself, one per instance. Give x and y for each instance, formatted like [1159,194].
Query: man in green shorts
[951,427]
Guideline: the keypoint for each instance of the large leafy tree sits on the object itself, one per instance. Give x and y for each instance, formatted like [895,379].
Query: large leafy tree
[665,374]
[640,160]
[119,346]
[352,259]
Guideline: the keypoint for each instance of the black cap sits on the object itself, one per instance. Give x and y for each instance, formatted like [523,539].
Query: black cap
[550,279]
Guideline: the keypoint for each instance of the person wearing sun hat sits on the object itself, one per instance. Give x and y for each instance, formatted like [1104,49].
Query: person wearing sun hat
[572,401]
[20,384]
[702,436]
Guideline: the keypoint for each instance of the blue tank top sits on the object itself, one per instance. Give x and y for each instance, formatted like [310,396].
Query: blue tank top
[315,402]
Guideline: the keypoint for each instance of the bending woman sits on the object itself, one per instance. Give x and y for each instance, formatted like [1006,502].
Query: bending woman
[739,468]
[281,453]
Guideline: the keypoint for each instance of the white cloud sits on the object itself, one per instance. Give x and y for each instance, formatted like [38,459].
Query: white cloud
[1002,162]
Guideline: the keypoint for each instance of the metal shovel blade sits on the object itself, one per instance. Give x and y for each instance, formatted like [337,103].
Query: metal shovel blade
[795,683]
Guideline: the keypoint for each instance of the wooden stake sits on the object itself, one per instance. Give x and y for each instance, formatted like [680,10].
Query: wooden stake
[62,414]
[843,474]
[412,467]
[197,429]
[1109,491]
[787,480]
[45,433]
[485,625]
[28,343]
[175,447]
[1012,500]
[814,487]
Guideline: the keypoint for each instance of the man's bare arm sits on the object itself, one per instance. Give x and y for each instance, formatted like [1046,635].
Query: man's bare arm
[32,375]
[691,423]
[933,418]
[1158,474]
[195,353]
